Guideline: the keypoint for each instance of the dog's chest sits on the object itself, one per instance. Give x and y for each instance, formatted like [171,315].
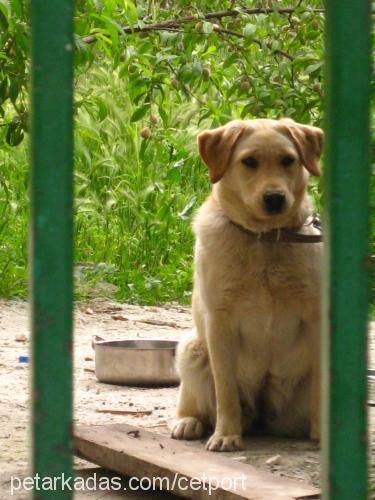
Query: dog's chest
[278,272]
[278,286]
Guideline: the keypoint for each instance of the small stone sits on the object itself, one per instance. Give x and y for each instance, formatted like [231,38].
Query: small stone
[275,460]
[21,337]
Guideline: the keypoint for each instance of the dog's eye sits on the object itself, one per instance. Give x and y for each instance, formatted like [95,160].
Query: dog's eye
[287,161]
[250,162]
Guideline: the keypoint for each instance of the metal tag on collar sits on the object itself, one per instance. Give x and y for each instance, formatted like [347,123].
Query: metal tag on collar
[314,221]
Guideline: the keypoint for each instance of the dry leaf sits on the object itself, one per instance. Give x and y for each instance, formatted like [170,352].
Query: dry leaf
[119,317]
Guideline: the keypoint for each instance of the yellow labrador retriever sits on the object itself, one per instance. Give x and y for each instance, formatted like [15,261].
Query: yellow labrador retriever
[253,358]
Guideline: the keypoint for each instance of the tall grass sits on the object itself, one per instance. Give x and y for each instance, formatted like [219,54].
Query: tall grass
[13,221]
[135,196]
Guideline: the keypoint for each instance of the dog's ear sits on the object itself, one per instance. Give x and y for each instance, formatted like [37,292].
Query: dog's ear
[308,141]
[216,147]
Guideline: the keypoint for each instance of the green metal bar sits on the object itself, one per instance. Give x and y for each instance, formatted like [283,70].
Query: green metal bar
[51,241]
[347,247]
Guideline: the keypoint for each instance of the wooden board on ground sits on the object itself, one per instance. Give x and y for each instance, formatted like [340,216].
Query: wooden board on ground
[185,470]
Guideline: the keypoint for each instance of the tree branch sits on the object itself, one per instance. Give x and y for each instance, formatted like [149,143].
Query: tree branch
[175,23]
[255,40]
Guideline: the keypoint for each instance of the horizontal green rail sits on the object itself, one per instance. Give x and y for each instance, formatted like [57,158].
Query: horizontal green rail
[347,247]
[51,241]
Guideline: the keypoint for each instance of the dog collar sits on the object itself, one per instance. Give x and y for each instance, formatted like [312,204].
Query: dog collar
[284,235]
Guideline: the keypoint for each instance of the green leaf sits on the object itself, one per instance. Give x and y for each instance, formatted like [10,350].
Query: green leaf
[140,113]
[14,89]
[249,30]
[130,11]
[114,29]
[230,60]
[14,134]
[313,67]
[210,49]
[16,8]
[207,27]
[4,17]
[174,176]
[4,90]
[163,116]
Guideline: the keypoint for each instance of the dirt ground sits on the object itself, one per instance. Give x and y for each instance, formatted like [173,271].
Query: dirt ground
[297,459]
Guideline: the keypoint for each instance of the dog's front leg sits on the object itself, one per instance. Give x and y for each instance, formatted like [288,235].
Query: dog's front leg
[227,435]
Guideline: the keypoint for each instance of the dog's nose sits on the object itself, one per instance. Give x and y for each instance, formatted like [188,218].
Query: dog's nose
[274,202]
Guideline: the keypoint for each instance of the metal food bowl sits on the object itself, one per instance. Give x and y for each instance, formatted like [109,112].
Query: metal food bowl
[135,362]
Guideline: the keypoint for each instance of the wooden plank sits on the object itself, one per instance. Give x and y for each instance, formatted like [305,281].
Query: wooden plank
[139,453]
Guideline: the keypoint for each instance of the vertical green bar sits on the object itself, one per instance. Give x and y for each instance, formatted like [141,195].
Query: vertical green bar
[347,246]
[51,241]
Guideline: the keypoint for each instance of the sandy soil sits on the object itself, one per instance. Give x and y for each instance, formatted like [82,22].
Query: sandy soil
[298,459]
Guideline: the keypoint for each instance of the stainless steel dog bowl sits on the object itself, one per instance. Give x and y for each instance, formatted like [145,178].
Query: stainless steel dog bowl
[135,362]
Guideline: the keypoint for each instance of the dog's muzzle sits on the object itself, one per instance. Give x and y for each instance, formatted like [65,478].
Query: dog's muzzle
[274,202]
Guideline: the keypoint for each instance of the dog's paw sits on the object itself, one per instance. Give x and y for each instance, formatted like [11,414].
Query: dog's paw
[187,428]
[218,442]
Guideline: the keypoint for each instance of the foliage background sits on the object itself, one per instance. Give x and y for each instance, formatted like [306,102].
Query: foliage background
[140,98]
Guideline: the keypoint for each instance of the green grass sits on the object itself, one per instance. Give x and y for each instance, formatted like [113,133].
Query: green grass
[134,198]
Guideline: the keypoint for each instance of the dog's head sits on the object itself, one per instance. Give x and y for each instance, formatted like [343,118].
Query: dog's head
[260,169]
